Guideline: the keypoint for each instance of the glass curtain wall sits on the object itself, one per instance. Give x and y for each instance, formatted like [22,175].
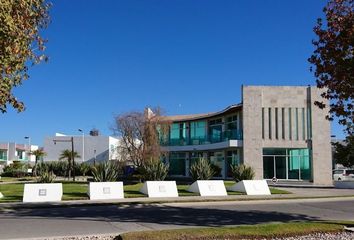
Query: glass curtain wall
[287,164]
[215,130]
[198,132]
[217,161]
[178,134]
[177,162]
[232,158]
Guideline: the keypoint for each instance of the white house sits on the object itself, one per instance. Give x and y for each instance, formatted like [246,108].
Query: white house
[90,148]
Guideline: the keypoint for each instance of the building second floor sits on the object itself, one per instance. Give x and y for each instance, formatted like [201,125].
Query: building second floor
[10,152]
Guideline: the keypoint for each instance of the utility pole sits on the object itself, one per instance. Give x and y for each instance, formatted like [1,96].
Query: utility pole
[72,152]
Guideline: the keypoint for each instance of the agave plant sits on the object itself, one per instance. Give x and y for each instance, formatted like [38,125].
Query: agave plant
[242,172]
[201,170]
[154,170]
[105,172]
[45,174]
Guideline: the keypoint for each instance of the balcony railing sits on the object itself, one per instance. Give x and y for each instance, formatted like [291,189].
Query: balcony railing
[216,138]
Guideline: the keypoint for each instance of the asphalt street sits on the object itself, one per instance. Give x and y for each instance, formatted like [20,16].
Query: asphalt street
[26,223]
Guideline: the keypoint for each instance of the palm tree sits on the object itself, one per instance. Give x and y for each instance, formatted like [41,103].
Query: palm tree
[39,154]
[67,154]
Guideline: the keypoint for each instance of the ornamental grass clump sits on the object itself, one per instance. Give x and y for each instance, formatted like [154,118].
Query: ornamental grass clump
[154,170]
[106,172]
[202,170]
[242,172]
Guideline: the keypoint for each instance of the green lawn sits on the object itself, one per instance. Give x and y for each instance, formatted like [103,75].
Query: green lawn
[78,191]
[71,191]
[13,179]
[240,232]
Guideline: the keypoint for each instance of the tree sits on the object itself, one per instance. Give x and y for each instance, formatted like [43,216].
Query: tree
[332,60]
[140,133]
[344,152]
[67,154]
[94,132]
[39,153]
[20,45]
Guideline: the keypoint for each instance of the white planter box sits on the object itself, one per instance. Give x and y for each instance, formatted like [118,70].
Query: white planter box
[43,192]
[251,187]
[106,190]
[344,184]
[160,189]
[1,196]
[208,188]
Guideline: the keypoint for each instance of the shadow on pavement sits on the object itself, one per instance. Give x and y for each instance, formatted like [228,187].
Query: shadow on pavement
[159,214]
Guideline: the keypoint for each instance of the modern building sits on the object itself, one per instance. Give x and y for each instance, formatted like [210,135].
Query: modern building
[275,129]
[10,152]
[90,148]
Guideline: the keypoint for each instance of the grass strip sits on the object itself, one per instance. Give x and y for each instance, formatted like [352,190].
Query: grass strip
[259,231]
[13,192]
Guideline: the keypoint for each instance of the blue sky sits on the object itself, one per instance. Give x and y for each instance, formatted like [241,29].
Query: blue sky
[187,56]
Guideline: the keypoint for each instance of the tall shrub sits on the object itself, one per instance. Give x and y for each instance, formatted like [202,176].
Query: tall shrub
[154,170]
[242,172]
[106,171]
[201,170]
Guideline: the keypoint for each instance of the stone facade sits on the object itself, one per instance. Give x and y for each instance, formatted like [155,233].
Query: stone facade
[286,117]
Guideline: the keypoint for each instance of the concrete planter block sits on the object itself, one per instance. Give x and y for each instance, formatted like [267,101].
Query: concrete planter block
[160,189]
[1,196]
[105,190]
[43,192]
[251,187]
[208,188]
[344,184]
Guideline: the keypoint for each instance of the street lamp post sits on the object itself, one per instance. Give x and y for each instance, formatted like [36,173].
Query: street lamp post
[83,144]
[94,160]
[28,147]
[72,152]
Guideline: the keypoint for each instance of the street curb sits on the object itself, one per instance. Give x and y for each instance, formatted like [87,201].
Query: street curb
[147,201]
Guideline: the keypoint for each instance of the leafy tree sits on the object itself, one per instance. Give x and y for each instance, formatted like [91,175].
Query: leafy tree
[39,153]
[332,60]
[67,154]
[20,44]
[344,152]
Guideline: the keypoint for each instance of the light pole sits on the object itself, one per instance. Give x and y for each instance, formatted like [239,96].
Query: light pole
[72,152]
[29,147]
[83,144]
[94,160]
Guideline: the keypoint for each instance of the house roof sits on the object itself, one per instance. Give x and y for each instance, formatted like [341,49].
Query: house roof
[191,117]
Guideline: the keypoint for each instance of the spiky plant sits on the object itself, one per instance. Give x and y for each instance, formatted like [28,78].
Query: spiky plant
[154,170]
[242,172]
[105,172]
[201,170]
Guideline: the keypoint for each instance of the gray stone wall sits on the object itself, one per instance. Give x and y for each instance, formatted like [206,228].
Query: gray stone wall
[297,133]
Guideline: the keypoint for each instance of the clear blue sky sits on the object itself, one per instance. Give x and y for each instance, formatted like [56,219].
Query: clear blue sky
[187,56]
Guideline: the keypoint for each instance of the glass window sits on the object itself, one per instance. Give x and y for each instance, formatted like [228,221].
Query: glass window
[303,123]
[290,125]
[270,122]
[232,158]
[276,123]
[262,123]
[177,163]
[217,162]
[178,134]
[297,123]
[283,123]
[215,130]
[198,132]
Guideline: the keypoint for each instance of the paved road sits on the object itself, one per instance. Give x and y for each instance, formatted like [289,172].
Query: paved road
[78,220]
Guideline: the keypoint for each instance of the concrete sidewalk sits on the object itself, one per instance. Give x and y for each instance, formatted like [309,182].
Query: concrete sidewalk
[297,193]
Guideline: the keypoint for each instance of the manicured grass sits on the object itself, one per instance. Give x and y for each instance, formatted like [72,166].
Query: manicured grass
[240,232]
[78,191]
[71,191]
[13,179]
